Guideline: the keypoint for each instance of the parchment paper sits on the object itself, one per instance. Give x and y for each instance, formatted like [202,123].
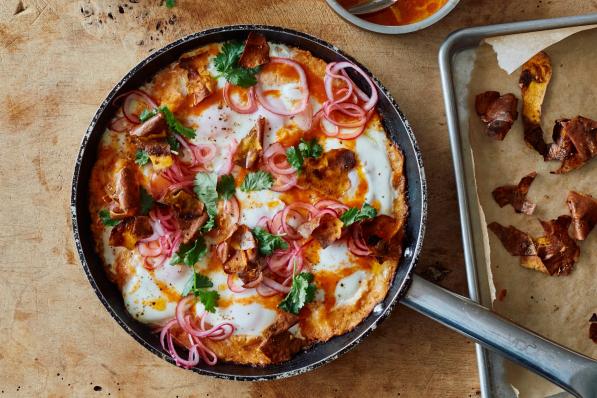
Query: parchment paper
[556,307]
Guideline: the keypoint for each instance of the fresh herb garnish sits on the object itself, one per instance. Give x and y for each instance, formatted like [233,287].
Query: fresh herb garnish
[147,114]
[301,293]
[257,181]
[141,157]
[170,3]
[173,142]
[190,253]
[225,187]
[355,214]
[296,155]
[198,285]
[104,216]
[146,201]
[226,62]
[175,125]
[205,188]
[268,242]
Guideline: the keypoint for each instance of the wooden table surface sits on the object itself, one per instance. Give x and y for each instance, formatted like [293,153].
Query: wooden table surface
[58,60]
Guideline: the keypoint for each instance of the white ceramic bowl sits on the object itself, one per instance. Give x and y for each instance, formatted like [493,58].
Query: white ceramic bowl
[396,29]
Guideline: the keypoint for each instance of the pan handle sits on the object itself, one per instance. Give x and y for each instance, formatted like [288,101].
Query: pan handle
[573,372]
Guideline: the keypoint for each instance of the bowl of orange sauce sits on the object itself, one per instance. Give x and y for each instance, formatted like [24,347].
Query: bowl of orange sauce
[404,16]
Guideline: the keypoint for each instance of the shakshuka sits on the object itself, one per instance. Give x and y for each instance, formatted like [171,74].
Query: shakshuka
[248,202]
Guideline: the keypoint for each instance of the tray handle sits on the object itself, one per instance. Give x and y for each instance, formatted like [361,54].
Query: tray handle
[573,372]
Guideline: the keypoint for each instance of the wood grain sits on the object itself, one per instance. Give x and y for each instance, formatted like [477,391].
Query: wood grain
[58,59]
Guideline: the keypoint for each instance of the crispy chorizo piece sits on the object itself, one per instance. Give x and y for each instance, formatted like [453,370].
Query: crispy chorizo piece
[555,253]
[153,125]
[199,84]
[256,51]
[190,212]
[126,193]
[240,254]
[190,227]
[279,344]
[581,133]
[584,214]
[325,229]
[383,236]
[516,195]
[130,231]
[226,225]
[516,242]
[328,174]
[561,147]
[497,112]
[250,148]
[534,79]
[185,204]
[159,153]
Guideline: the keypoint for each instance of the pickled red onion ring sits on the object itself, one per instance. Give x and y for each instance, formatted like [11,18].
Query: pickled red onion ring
[120,124]
[128,104]
[274,152]
[226,168]
[356,243]
[284,183]
[252,103]
[371,100]
[303,84]
[272,284]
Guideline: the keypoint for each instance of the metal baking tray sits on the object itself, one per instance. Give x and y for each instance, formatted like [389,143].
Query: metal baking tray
[457,44]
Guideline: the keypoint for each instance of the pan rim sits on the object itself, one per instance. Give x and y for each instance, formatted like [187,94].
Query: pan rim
[413,255]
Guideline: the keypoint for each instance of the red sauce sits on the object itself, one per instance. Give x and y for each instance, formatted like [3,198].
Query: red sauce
[404,12]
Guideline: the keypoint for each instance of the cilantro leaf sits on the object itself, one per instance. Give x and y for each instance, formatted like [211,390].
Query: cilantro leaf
[205,188]
[197,281]
[225,187]
[209,298]
[353,214]
[146,201]
[257,181]
[295,158]
[175,125]
[147,114]
[173,142]
[198,285]
[170,3]
[228,56]
[301,293]
[296,155]
[141,157]
[190,253]
[243,77]
[104,216]
[226,63]
[268,242]
[310,149]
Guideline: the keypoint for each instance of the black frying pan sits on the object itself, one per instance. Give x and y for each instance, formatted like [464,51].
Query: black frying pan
[572,371]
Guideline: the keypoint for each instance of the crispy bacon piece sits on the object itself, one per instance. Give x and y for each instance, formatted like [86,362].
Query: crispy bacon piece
[130,231]
[328,174]
[553,254]
[159,153]
[240,255]
[497,112]
[153,125]
[279,344]
[126,193]
[575,143]
[250,148]
[584,214]
[326,229]
[256,51]
[534,79]
[516,195]
[383,236]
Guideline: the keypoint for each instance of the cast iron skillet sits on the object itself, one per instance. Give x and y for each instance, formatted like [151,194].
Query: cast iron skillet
[570,370]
